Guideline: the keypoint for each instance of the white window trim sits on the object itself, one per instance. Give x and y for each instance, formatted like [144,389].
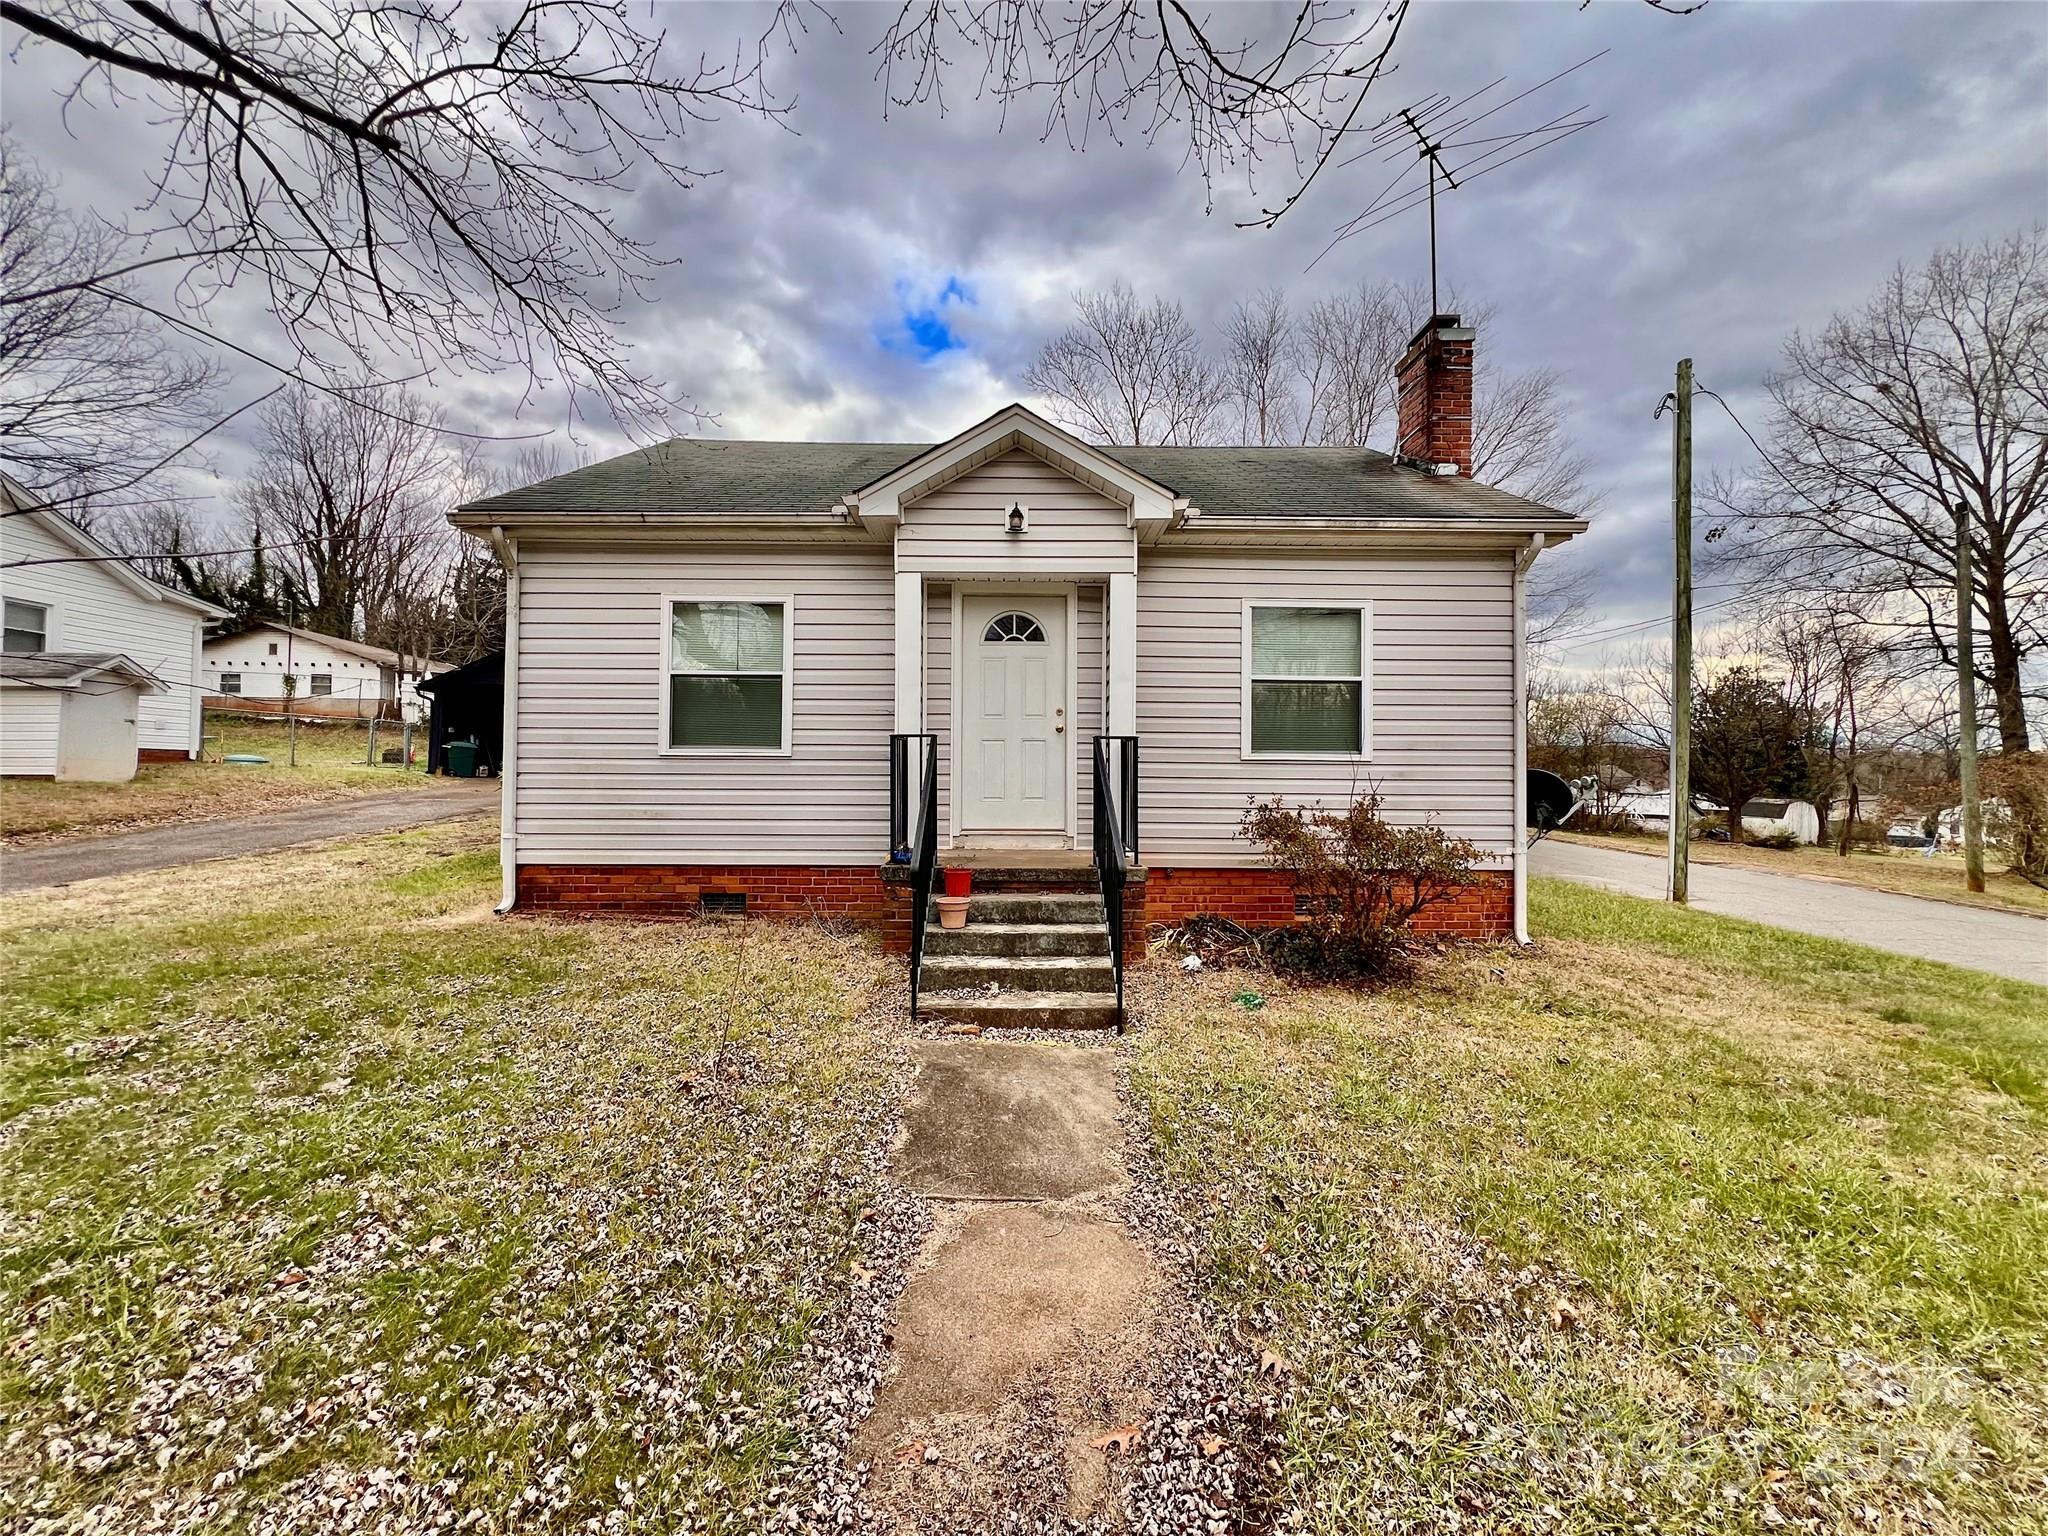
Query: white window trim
[221,684]
[50,641]
[1363,608]
[787,672]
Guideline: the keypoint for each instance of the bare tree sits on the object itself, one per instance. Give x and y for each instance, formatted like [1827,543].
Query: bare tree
[90,401]
[1519,442]
[1289,99]
[171,546]
[1259,368]
[1932,396]
[1349,345]
[350,495]
[1841,674]
[405,184]
[1129,373]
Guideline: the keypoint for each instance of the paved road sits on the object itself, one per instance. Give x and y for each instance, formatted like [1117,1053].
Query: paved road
[2007,943]
[124,853]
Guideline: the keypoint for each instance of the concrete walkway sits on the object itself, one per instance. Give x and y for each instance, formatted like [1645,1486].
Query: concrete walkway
[2005,943]
[125,853]
[1028,1319]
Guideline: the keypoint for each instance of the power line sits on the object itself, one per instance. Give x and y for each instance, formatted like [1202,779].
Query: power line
[170,554]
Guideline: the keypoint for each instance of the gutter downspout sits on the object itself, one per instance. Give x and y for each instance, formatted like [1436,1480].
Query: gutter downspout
[508,755]
[1524,558]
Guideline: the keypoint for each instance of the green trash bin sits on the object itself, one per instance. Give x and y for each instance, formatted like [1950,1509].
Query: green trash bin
[460,757]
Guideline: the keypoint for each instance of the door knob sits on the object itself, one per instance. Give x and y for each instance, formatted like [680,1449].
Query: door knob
[1059,730]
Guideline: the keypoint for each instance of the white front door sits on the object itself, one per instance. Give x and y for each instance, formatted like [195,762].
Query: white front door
[1013,741]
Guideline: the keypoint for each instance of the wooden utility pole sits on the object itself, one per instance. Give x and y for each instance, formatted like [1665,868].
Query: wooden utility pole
[1681,632]
[1966,704]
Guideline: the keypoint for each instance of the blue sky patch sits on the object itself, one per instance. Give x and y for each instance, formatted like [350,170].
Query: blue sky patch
[923,326]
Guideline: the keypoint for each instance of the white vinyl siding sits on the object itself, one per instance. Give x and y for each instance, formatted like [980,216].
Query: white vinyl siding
[593,783]
[28,730]
[1442,694]
[93,612]
[1074,531]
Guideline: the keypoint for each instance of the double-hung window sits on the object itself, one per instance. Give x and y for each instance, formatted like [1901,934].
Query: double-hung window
[323,684]
[727,676]
[1307,678]
[231,682]
[28,628]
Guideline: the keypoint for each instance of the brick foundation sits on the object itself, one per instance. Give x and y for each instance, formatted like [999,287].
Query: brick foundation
[162,755]
[852,893]
[1264,898]
[1257,898]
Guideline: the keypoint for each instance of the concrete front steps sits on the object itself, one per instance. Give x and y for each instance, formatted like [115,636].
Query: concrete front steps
[1033,958]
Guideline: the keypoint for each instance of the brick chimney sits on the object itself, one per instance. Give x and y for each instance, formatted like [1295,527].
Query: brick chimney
[1433,387]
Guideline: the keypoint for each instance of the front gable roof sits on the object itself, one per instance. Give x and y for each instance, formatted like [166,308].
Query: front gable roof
[882,501]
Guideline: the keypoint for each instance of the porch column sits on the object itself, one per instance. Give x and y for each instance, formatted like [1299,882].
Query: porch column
[909,650]
[1122,619]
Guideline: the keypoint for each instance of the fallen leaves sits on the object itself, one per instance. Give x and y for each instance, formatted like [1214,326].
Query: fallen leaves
[1120,1442]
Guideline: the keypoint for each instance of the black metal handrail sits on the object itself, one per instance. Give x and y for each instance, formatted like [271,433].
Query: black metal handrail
[1116,843]
[916,846]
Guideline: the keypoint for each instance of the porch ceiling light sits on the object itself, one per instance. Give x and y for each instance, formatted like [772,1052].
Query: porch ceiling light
[1016,520]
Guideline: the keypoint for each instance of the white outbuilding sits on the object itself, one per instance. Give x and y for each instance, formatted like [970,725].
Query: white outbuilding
[102,665]
[1766,818]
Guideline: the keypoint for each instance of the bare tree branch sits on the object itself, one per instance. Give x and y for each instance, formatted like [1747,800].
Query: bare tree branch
[1931,396]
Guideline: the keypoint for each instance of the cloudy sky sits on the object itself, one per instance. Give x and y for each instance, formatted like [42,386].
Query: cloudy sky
[1760,166]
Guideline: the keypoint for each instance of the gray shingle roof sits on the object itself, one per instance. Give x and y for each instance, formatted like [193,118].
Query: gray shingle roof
[710,475]
[1318,482]
[58,669]
[702,474]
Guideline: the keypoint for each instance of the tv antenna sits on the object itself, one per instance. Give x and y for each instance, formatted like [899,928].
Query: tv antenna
[1436,133]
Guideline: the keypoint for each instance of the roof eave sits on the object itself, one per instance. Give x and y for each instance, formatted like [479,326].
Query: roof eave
[1557,528]
[476,518]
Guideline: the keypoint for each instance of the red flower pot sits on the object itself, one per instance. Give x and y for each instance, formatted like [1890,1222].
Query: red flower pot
[959,882]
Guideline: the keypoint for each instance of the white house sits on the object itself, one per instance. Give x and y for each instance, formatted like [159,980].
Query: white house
[1650,808]
[739,672]
[334,677]
[102,664]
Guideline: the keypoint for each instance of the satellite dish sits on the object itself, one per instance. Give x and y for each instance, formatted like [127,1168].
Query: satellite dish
[1550,800]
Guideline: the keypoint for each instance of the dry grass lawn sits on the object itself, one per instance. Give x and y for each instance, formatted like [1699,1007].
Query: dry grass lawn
[1678,1224]
[355,1209]
[331,766]
[1907,873]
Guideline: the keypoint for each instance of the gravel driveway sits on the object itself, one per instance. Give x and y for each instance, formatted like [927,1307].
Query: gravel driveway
[124,853]
[2006,943]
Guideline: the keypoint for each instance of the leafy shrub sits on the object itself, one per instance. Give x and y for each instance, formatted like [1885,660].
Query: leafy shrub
[1780,841]
[1359,882]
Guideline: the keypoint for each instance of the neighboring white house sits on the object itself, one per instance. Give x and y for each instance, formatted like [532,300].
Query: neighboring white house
[334,677]
[1997,824]
[104,630]
[711,645]
[1650,808]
